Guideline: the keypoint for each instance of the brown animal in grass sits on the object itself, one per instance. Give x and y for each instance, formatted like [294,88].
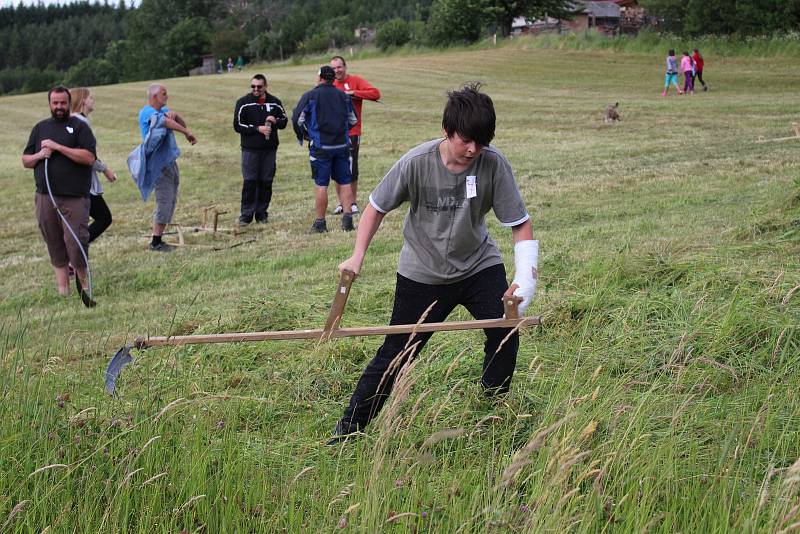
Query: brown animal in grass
[612,113]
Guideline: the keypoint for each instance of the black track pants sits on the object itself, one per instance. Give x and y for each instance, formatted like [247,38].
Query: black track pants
[480,294]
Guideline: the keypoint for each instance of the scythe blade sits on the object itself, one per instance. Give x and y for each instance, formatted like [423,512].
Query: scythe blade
[118,361]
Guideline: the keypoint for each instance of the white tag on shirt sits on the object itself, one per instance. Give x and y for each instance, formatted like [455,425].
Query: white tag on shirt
[69,129]
[472,188]
[346,86]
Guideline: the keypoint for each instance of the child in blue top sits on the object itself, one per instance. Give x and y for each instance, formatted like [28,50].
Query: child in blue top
[672,73]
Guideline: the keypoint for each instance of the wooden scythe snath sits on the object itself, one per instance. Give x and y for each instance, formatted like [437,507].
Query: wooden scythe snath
[329,331]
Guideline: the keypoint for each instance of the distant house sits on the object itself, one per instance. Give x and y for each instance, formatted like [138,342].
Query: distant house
[522,25]
[611,17]
[602,16]
[365,35]
[208,67]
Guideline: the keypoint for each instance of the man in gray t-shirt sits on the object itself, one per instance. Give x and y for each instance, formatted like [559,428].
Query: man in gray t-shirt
[447,257]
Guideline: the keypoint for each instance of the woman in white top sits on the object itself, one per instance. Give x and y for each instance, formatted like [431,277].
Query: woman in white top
[82,105]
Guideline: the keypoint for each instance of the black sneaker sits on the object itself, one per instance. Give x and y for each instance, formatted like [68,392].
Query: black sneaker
[340,434]
[161,247]
[243,222]
[319,227]
[347,222]
[262,220]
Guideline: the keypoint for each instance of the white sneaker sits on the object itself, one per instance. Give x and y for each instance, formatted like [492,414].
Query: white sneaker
[353,208]
[338,210]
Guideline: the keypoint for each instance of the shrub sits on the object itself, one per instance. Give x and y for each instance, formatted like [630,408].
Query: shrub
[12,79]
[28,79]
[92,71]
[266,46]
[229,43]
[184,45]
[394,32]
[455,21]
[315,42]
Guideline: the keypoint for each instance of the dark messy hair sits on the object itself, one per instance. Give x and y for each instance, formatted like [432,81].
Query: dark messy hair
[470,114]
[260,77]
[671,52]
[59,89]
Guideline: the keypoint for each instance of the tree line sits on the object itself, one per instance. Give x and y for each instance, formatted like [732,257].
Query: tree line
[95,44]
[737,18]
[41,43]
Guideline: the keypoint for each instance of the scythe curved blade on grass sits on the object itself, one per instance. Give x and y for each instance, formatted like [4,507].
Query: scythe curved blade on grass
[118,361]
[331,330]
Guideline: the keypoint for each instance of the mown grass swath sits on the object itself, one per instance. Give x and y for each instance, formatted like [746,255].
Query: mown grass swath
[660,394]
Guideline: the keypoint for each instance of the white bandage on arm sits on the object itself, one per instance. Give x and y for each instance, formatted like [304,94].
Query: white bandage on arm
[526,260]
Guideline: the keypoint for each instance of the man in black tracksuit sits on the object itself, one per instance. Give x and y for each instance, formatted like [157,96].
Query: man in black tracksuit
[258,117]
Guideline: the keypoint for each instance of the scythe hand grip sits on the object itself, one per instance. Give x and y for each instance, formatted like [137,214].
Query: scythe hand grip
[339,300]
[511,306]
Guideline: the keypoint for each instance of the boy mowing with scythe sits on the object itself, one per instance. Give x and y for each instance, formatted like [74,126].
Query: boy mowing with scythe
[447,257]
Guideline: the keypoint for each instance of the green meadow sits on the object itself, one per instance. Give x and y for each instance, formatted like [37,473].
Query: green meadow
[661,393]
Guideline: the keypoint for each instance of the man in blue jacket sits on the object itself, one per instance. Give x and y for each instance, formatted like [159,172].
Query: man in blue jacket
[257,118]
[324,116]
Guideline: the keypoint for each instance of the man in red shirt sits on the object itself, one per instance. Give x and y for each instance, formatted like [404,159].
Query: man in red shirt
[359,90]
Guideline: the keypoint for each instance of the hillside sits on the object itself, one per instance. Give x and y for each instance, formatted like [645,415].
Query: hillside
[661,392]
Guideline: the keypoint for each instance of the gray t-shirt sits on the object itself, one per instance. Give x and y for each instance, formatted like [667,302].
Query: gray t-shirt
[445,233]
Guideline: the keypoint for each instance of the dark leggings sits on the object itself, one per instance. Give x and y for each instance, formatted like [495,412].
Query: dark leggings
[355,142]
[699,76]
[100,214]
[688,82]
[480,294]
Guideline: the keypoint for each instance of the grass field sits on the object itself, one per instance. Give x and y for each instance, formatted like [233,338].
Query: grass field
[660,395]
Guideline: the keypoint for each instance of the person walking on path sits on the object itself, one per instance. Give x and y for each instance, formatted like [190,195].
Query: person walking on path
[448,257]
[699,63]
[324,116]
[257,118]
[359,90]
[61,151]
[82,107]
[156,114]
[671,77]
[687,69]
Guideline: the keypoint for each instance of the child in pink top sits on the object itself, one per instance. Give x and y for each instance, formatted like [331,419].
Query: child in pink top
[687,69]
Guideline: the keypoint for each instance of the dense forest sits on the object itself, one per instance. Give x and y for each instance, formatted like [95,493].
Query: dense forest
[737,18]
[94,44]
[91,43]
